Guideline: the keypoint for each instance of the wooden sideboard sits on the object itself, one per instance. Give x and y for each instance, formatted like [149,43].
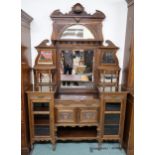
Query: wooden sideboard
[87,110]
[57,116]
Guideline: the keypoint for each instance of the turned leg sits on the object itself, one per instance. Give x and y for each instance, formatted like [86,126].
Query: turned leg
[53,147]
[99,145]
[32,146]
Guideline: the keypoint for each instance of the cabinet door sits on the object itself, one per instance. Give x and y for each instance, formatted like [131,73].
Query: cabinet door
[65,115]
[41,124]
[40,119]
[112,117]
[88,115]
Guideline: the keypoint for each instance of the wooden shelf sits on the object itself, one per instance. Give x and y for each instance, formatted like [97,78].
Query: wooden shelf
[42,138]
[111,137]
[112,112]
[111,123]
[41,112]
[76,133]
[75,125]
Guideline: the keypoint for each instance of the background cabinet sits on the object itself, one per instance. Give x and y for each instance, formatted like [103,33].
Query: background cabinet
[25,80]
[128,80]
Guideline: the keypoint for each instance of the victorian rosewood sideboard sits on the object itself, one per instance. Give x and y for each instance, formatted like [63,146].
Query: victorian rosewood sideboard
[73,116]
[91,106]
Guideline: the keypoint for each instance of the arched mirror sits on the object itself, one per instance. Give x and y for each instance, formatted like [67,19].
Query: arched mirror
[77,32]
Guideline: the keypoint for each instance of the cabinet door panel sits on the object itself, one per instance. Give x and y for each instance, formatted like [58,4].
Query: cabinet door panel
[40,130]
[40,106]
[112,106]
[110,119]
[88,115]
[111,130]
[66,116]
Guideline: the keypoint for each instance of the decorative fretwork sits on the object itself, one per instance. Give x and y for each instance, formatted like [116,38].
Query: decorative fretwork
[109,67]
[45,63]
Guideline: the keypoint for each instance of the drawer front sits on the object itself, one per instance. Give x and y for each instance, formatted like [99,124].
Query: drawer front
[88,115]
[66,116]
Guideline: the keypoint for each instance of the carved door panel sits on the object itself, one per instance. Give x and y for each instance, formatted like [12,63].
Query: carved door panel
[66,116]
[88,115]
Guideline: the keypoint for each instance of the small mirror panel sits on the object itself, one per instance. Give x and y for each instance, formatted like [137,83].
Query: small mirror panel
[77,32]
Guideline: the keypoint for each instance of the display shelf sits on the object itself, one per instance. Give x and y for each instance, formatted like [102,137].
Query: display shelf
[76,133]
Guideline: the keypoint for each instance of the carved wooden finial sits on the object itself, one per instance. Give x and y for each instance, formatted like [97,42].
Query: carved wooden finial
[77,8]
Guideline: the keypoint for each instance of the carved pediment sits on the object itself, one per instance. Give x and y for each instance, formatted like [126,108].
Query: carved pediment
[56,13]
[110,44]
[44,44]
[99,14]
[77,10]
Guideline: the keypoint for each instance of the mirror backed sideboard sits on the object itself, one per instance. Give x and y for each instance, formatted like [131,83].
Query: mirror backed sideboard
[76,93]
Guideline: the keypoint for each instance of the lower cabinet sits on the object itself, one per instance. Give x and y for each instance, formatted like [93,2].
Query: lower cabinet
[79,121]
[56,119]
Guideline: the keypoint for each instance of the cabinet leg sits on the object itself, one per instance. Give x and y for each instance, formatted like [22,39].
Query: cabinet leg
[53,147]
[99,145]
[32,146]
[121,144]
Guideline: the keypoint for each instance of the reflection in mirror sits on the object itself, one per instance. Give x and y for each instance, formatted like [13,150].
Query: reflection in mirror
[76,68]
[108,58]
[77,32]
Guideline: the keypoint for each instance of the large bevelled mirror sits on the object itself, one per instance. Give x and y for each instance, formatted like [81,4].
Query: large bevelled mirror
[77,68]
[77,32]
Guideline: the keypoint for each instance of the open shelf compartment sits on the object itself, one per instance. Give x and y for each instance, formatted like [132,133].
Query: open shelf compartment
[75,133]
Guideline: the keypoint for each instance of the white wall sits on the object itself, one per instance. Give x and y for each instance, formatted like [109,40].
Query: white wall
[114,26]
